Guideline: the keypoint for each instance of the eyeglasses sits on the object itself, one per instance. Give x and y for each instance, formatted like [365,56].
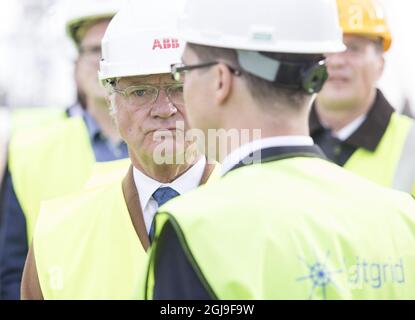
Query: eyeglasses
[179,70]
[141,95]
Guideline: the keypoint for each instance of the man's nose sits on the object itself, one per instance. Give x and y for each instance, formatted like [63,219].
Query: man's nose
[335,60]
[163,107]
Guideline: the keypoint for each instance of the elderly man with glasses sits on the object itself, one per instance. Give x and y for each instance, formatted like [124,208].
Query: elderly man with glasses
[93,245]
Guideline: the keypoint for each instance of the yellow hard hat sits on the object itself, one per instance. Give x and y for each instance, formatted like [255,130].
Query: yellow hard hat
[366,18]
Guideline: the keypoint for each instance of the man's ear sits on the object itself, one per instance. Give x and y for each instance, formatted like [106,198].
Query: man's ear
[223,83]
[380,66]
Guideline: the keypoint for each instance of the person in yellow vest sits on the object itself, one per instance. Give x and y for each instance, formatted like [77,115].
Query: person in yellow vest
[281,222]
[93,245]
[352,121]
[56,154]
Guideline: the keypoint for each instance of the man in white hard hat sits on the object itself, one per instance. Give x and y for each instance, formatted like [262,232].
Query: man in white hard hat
[281,223]
[56,155]
[93,245]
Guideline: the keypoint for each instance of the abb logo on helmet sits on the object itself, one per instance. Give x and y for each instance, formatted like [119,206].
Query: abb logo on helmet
[168,43]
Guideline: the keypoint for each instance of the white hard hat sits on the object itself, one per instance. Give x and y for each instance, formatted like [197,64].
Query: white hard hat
[252,28]
[286,26]
[82,11]
[142,39]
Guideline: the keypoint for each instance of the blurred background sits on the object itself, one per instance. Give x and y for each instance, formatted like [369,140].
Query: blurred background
[36,58]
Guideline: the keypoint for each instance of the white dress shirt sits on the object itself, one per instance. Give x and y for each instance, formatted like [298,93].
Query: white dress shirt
[344,133]
[146,186]
[243,151]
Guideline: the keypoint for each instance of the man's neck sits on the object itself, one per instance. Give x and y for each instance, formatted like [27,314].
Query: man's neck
[337,119]
[267,128]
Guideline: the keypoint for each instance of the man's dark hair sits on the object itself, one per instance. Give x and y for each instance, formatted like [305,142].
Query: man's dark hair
[261,90]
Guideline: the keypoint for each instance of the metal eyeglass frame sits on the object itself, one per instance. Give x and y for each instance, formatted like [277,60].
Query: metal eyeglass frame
[144,86]
[178,68]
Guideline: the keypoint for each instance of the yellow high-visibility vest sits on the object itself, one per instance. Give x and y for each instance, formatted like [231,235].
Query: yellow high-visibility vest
[296,228]
[392,164]
[49,162]
[26,118]
[86,247]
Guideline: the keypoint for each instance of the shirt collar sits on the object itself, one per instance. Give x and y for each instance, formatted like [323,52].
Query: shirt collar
[344,133]
[243,151]
[189,180]
[369,134]
[75,110]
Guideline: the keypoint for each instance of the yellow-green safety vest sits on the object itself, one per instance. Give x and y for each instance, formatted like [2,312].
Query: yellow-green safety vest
[298,228]
[26,118]
[20,120]
[86,247]
[392,164]
[48,162]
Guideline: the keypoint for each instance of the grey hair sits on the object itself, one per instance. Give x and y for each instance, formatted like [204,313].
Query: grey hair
[109,84]
[113,106]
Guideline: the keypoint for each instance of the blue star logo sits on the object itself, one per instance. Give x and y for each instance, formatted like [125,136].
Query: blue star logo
[319,275]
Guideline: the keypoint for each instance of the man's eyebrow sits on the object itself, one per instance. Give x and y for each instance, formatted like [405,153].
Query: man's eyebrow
[135,80]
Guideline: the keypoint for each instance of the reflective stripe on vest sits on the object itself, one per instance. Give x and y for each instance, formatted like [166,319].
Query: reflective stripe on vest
[299,228]
[404,179]
[49,162]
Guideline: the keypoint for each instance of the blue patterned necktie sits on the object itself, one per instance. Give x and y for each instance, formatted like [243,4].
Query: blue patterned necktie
[162,195]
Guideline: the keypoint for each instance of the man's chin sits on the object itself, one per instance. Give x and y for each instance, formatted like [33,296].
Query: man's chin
[168,152]
[331,98]
[336,103]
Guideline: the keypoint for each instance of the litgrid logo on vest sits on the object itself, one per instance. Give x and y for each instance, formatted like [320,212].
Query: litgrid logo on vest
[320,275]
[360,275]
[375,274]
